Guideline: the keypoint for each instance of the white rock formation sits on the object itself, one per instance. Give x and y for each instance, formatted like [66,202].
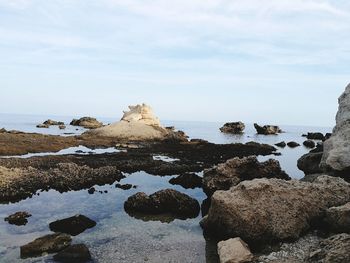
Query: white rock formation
[142,114]
[234,250]
[337,149]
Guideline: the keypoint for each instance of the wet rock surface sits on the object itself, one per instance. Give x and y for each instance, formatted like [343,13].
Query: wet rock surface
[187,180]
[234,250]
[315,136]
[309,144]
[310,163]
[232,172]
[267,129]
[281,144]
[233,127]
[125,186]
[75,253]
[18,218]
[293,144]
[74,225]
[87,122]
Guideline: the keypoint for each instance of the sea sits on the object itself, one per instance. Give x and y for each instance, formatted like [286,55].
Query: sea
[117,236]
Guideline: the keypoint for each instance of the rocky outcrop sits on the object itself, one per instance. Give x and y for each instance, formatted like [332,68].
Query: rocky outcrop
[43,126]
[309,144]
[267,210]
[125,186]
[338,218]
[53,123]
[293,144]
[281,144]
[18,218]
[336,157]
[234,250]
[87,123]
[315,136]
[74,253]
[46,244]
[267,129]
[187,180]
[310,163]
[233,127]
[232,172]
[73,225]
[161,202]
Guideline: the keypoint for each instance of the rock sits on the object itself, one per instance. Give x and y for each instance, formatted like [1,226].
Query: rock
[53,123]
[335,249]
[142,114]
[310,163]
[338,218]
[18,218]
[234,250]
[62,127]
[46,244]
[3,130]
[318,149]
[336,157]
[73,253]
[87,122]
[187,180]
[281,144]
[315,136]
[233,127]
[164,201]
[91,190]
[267,129]
[327,136]
[45,126]
[73,225]
[124,186]
[264,211]
[233,171]
[309,144]
[293,144]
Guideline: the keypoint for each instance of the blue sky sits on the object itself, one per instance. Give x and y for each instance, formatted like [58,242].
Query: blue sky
[275,61]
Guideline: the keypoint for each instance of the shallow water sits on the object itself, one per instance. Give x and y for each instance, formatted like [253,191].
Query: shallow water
[117,236]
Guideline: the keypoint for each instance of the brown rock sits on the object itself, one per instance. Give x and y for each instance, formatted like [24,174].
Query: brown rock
[233,127]
[338,218]
[234,250]
[87,122]
[73,225]
[74,253]
[267,129]
[18,218]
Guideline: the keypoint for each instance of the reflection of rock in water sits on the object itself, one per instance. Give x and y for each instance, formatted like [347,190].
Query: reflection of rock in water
[164,218]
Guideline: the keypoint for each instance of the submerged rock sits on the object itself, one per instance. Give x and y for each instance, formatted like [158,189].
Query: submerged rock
[233,127]
[234,250]
[87,122]
[163,201]
[73,225]
[293,144]
[338,218]
[267,129]
[187,180]
[18,218]
[74,253]
[233,171]
[267,210]
[46,244]
[309,144]
[281,144]
[310,163]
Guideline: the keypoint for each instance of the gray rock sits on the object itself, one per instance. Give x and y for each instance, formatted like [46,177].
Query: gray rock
[281,144]
[310,163]
[309,144]
[187,180]
[73,225]
[267,129]
[338,218]
[293,144]
[87,122]
[233,127]
[315,136]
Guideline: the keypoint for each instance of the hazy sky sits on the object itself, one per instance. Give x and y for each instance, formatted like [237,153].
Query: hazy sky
[275,61]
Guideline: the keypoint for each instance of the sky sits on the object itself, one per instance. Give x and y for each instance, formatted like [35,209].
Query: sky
[265,61]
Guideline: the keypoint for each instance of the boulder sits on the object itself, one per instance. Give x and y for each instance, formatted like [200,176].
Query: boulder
[73,225]
[234,250]
[51,122]
[87,122]
[336,156]
[233,127]
[187,180]
[74,253]
[233,171]
[18,218]
[315,136]
[265,210]
[124,186]
[62,127]
[310,163]
[45,126]
[267,129]
[318,149]
[281,144]
[338,218]
[293,144]
[46,244]
[309,144]
[161,202]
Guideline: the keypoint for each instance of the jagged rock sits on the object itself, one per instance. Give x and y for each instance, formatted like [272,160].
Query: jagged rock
[315,136]
[87,122]
[310,163]
[266,210]
[233,127]
[335,249]
[234,250]
[73,225]
[336,157]
[141,114]
[232,172]
[338,218]
[161,202]
[53,123]
[281,144]
[18,218]
[293,144]
[187,180]
[74,253]
[309,144]
[46,244]
[267,129]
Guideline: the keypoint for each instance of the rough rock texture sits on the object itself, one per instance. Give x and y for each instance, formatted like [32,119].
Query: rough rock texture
[335,249]
[46,244]
[315,136]
[234,250]
[281,144]
[233,127]
[74,253]
[309,144]
[232,172]
[73,225]
[338,218]
[164,201]
[267,129]
[187,180]
[125,186]
[310,163]
[18,218]
[336,155]
[268,210]
[293,144]
[87,122]
[142,114]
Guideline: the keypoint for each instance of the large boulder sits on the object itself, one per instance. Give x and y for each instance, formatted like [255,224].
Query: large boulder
[87,122]
[162,202]
[234,250]
[336,155]
[187,180]
[233,127]
[310,163]
[72,225]
[233,171]
[338,218]
[267,210]
[267,129]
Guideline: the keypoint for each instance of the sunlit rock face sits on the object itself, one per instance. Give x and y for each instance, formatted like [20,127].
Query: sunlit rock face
[142,114]
[336,156]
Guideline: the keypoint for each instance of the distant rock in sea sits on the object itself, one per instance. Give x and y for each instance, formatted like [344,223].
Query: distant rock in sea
[267,129]
[233,127]
[87,122]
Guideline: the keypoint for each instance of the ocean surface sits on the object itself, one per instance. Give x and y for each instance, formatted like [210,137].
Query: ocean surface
[117,236]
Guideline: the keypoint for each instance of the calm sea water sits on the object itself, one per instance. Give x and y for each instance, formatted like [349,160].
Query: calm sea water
[118,237]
